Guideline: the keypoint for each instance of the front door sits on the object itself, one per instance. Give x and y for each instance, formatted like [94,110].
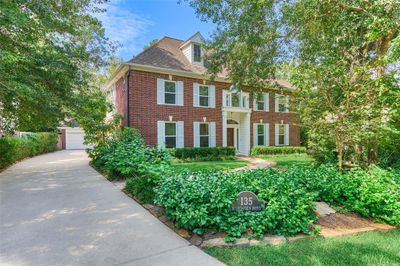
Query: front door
[231,137]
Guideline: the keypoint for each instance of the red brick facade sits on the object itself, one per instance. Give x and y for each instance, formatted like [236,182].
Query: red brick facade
[144,112]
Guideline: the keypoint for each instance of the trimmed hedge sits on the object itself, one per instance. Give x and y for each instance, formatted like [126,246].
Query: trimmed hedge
[13,149]
[204,153]
[265,150]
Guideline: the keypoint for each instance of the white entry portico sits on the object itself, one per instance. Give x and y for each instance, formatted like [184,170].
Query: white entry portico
[236,130]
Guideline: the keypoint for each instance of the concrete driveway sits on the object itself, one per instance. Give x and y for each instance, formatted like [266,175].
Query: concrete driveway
[56,210]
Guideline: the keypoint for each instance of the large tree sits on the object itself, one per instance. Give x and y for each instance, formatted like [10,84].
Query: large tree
[345,63]
[49,53]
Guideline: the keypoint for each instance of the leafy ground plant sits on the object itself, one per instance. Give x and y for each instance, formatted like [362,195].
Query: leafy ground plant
[203,201]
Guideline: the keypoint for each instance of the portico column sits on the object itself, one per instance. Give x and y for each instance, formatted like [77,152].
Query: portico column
[224,126]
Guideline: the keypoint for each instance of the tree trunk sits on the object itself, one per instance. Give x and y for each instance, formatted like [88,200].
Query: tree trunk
[339,147]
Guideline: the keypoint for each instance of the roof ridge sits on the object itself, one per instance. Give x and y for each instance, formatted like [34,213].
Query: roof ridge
[151,46]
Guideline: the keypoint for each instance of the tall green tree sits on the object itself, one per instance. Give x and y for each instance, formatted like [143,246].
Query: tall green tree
[49,52]
[345,56]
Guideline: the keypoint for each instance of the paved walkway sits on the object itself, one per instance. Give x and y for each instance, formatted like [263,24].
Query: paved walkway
[56,210]
[255,163]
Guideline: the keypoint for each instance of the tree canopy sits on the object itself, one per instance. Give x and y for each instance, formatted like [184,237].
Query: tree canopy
[49,54]
[344,61]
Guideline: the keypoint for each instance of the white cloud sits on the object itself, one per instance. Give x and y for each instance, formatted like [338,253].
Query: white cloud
[125,27]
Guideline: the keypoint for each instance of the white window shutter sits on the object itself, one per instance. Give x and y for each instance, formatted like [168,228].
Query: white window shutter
[224,98]
[255,102]
[196,95]
[287,104]
[276,134]
[179,94]
[180,135]
[277,102]
[212,134]
[255,137]
[161,134]
[266,102]
[266,128]
[160,91]
[211,97]
[286,134]
[196,134]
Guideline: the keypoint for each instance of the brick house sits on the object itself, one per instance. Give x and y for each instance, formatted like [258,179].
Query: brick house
[164,93]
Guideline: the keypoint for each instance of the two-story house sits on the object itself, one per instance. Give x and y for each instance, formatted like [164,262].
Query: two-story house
[164,93]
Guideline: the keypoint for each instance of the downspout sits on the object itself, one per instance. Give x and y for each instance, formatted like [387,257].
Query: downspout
[127,97]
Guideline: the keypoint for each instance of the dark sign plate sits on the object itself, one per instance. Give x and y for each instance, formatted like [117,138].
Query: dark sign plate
[247,201]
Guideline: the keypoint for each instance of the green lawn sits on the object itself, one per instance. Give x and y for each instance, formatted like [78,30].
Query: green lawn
[209,165]
[373,248]
[286,160]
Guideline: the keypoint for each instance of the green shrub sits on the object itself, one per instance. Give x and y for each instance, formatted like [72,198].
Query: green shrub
[13,149]
[127,157]
[372,193]
[266,150]
[204,153]
[203,201]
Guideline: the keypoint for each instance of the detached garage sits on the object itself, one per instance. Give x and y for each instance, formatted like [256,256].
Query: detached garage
[73,138]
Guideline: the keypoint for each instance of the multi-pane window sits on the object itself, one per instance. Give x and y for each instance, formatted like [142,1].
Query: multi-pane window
[281,135]
[235,99]
[170,135]
[282,103]
[260,101]
[261,135]
[204,95]
[169,92]
[227,100]
[204,135]
[196,53]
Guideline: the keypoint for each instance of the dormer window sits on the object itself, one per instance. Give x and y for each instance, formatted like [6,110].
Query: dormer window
[196,53]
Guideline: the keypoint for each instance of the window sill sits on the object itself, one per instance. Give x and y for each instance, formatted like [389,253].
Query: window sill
[170,104]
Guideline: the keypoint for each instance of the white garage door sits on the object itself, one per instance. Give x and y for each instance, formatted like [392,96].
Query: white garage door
[74,139]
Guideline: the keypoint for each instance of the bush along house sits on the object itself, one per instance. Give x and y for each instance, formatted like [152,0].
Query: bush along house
[164,93]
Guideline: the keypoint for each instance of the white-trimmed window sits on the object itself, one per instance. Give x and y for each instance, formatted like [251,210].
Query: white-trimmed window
[261,102]
[204,134]
[203,95]
[260,134]
[169,92]
[281,134]
[170,134]
[236,98]
[197,53]
[281,103]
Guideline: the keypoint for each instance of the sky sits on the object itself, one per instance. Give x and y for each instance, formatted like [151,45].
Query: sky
[135,23]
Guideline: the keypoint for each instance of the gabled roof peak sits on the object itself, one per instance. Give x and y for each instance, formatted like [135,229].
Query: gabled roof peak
[197,38]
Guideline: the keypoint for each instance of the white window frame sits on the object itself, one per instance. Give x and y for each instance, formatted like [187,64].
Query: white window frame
[208,135]
[243,99]
[179,133]
[208,95]
[255,134]
[285,134]
[265,96]
[179,92]
[211,134]
[176,91]
[169,136]
[194,49]
[278,101]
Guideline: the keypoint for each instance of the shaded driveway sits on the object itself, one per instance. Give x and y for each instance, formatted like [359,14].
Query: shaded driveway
[55,209]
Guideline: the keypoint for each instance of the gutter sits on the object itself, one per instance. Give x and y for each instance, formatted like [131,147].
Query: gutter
[127,97]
